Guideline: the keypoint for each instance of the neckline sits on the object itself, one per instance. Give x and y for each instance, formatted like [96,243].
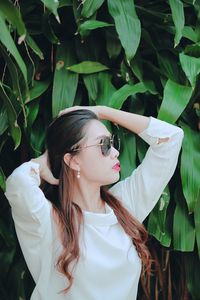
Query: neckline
[100,219]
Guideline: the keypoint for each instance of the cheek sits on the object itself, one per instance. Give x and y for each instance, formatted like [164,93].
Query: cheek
[97,168]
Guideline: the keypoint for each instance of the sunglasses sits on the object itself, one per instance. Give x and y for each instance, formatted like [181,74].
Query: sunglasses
[105,143]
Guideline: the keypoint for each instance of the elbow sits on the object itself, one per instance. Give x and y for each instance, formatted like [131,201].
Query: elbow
[180,135]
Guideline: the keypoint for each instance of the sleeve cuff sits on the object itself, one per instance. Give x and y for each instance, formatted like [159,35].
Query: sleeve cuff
[30,169]
[157,129]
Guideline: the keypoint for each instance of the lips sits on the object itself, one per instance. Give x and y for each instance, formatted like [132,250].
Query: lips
[116,167]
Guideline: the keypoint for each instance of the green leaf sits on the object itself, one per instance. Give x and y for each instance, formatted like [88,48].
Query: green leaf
[124,92]
[176,97]
[178,18]
[127,154]
[37,137]
[192,272]
[113,44]
[190,34]
[12,117]
[32,44]
[87,67]
[191,67]
[190,166]
[89,25]
[192,50]
[105,88]
[127,25]
[8,42]
[52,5]
[12,14]
[91,83]
[2,180]
[16,87]
[4,120]
[13,73]
[168,66]
[197,223]
[157,221]
[48,29]
[63,3]
[65,82]
[90,7]
[136,67]
[38,89]
[32,112]
[183,227]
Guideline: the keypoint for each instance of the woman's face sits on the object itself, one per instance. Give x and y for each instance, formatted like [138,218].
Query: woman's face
[94,166]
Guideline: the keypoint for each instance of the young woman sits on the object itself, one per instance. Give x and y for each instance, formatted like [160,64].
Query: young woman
[87,242]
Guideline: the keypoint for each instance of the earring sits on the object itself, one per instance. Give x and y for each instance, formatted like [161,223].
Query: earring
[78,174]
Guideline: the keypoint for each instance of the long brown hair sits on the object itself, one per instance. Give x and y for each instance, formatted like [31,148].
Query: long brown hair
[62,134]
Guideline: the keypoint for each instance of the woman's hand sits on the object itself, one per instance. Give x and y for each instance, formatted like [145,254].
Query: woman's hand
[96,109]
[45,172]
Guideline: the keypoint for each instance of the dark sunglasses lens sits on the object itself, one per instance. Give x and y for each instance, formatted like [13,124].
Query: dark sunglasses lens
[105,148]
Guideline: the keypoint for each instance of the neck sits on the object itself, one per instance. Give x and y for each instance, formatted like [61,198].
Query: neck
[87,196]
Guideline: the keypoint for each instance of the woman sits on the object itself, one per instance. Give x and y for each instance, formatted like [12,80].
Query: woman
[85,242]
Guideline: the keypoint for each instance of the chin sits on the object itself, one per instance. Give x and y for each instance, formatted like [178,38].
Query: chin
[114,179]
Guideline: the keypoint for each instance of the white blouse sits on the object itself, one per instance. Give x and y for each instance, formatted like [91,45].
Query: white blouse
[109,267]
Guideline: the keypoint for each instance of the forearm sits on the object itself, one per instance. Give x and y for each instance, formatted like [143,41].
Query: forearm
[133,122]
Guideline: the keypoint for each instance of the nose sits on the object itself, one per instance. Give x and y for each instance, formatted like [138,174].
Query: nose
[114,152]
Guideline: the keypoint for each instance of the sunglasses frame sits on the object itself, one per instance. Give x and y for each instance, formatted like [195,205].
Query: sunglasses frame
[111,144]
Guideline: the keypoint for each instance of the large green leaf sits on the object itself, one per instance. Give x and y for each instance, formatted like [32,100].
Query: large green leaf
[32,44]
[2,180]
[197,223]
[113,44]
[87,67]
[8,42]
[183,225]
[168,66]
[52,5]
[127,154]
[12,117]
[39,87]
[90,7]
[12,14]
[191,67]
[89,25]
[105,88]
[192,271]
[158,223]
[127,25]
[65,82]
[178,18]
[124,92]
[4,119]
[48,29]
[13,73]
[190,166]
[91,83]
[190,34]
[32,112]
[176,97]
[21,96]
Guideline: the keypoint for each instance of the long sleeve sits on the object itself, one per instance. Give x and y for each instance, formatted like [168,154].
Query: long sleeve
[143,188]
[31,212]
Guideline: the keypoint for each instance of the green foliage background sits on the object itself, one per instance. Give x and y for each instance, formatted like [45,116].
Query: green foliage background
[143,57]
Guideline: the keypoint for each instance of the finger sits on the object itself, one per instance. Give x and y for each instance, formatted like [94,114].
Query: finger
[48,176]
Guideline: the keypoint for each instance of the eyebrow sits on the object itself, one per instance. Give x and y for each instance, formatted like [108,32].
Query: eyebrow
[104,135]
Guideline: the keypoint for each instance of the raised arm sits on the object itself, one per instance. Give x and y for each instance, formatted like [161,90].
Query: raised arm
[31,211]
[143,188]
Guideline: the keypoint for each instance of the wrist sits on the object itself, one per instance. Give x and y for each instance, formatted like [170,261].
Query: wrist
[104,112]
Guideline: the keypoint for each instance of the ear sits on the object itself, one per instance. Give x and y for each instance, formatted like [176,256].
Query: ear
[71,161]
